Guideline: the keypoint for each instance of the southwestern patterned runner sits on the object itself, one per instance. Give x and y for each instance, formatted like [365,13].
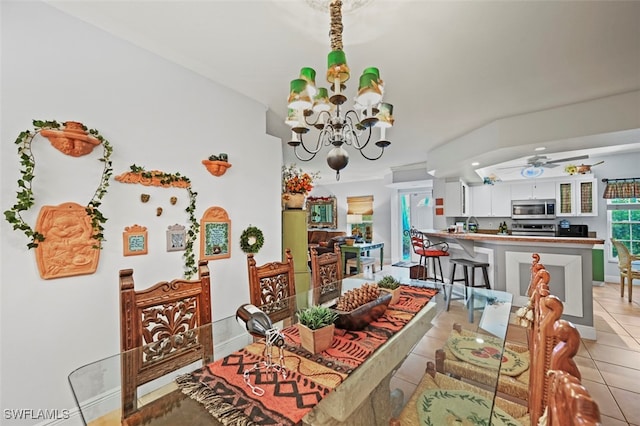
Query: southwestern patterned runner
[221,388]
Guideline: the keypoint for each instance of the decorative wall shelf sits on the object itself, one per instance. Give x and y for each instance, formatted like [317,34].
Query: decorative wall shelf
[216,168]
[72,140]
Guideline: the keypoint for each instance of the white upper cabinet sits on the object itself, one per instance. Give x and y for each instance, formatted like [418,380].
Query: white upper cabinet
[491,200]
[577,197]
[456,199]
[533,190]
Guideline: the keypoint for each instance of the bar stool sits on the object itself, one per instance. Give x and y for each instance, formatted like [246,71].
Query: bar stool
[467,264]
[428,251]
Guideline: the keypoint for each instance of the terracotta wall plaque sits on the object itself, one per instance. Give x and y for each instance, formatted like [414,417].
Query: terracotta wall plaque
[68,248]
[134,240]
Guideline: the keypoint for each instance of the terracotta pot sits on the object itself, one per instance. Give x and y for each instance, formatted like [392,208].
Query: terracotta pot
[395,295]
[316,341]
[294,201]
[216,168]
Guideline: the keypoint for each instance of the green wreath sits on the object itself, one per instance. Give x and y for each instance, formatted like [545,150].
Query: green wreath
[255,235]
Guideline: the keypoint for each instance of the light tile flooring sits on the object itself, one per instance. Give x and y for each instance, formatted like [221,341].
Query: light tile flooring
[610,366]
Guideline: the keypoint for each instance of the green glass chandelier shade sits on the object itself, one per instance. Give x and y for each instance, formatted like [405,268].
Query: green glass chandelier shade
[337,66]
[298,96]
[321,100]
[309,75]
[385,115]
[369,91]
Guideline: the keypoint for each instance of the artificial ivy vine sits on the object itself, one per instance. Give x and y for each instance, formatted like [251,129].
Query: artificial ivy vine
[169,179]
[251,240]
[25,197]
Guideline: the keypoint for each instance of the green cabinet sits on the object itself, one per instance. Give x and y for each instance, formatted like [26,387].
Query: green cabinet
[294,237]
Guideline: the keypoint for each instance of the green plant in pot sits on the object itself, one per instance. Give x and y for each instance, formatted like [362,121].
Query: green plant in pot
[391,285]
[316,328]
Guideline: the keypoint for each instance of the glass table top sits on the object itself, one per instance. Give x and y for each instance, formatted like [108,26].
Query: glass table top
[97,385]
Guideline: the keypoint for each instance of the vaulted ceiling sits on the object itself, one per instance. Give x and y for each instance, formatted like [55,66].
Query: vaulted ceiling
[449,67]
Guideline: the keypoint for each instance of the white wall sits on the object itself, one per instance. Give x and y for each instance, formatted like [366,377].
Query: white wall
[381,206]
[156,115]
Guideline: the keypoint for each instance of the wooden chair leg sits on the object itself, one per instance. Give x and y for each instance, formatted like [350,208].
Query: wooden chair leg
[630,281]
[621,285]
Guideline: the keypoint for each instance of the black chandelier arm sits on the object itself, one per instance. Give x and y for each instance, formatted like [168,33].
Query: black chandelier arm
[317,120]
[295,151]
[315,150]
[372,158]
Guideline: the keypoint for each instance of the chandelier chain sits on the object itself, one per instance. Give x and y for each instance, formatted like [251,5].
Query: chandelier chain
[335,33]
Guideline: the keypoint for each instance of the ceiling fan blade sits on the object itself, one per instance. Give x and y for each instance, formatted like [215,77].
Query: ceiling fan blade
[550,165]
[562,160]
[513,167]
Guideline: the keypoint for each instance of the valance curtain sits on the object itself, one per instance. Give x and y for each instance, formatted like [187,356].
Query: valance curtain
[622,188]
[360,205]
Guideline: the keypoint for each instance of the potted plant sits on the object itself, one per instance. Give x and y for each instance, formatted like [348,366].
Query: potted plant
[316,328]
[390,285]
[296,184]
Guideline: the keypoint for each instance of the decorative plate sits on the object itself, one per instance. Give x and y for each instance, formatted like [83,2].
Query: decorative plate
[439,407]
[486,352]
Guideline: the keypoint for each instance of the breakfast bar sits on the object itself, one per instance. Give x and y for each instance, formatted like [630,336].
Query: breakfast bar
[568,260]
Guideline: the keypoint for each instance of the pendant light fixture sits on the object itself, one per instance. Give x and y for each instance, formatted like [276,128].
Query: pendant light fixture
[313,107]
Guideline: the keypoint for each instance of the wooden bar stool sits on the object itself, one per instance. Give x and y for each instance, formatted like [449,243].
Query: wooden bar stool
[467,264]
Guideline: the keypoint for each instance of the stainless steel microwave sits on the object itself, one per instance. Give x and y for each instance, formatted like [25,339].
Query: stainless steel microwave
[533,209]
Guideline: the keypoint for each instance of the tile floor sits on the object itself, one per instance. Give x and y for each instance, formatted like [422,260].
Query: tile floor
[610,366]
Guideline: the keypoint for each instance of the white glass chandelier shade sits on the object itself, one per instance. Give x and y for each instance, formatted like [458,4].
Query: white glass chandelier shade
[321,108]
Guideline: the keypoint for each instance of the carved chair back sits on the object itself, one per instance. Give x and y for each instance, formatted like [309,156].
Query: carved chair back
[162,328]
[547,310]
[272,287]
[326,274]
[569,404]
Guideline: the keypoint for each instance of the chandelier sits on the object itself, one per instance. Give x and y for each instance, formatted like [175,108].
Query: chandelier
[312,107]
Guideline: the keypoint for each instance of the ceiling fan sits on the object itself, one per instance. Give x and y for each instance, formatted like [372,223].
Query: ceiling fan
[538,161]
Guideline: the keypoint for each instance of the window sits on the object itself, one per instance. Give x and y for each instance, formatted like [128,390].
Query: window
[623,218]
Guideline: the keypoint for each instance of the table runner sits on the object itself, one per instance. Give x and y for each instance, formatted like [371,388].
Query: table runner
[220,386]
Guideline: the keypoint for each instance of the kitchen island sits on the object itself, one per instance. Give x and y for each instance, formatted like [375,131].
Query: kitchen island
[568,260]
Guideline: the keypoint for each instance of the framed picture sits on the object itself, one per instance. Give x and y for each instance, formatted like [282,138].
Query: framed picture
[134,240]
[176,238]
[215,234]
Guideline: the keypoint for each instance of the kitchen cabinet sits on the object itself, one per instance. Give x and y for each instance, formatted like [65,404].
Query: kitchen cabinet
[538,190]
[456,198]
[491,200]
[577,197]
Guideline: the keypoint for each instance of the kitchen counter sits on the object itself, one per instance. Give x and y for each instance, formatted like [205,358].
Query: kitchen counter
[480,236]
[569,262]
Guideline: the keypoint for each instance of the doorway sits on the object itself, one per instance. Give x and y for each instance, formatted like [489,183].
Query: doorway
[416,209]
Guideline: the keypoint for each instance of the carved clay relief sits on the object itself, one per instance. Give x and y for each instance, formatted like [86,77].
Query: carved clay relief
[68,248]
[72,140]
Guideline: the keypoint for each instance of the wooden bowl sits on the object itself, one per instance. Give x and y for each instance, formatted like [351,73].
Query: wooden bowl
[360,317]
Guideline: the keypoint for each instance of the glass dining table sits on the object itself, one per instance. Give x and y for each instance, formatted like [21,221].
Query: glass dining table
[361,395]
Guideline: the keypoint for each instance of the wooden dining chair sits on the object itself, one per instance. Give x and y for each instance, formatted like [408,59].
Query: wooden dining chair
[548,309]
[163,328]
[326,275]
[627,273]
[272,287]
